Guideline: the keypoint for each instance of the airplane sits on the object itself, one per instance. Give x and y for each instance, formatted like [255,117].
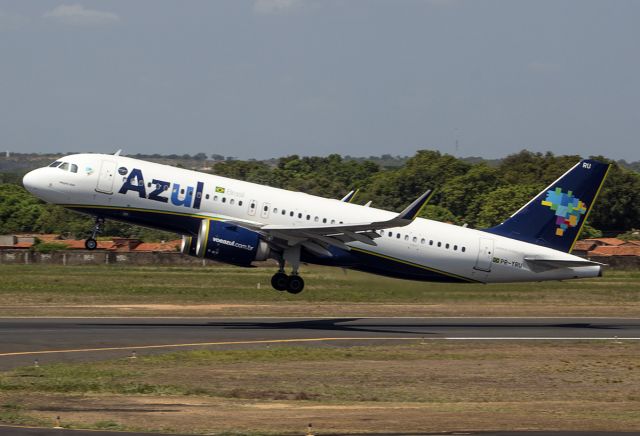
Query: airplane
[237,222]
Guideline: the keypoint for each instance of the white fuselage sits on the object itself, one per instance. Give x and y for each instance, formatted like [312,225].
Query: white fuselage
[458,252]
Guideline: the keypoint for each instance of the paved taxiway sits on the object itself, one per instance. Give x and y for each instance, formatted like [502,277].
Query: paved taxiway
[23,340]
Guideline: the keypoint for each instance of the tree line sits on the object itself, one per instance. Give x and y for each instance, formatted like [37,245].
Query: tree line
[467,191]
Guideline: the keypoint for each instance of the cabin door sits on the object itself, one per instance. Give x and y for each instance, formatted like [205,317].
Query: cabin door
[106,176]
[485,255]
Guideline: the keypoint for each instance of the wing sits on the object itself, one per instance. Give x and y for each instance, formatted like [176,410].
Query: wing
[317,238]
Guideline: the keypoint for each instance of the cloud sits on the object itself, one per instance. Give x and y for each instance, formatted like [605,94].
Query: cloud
[274,6]
[544,67]
[78,15]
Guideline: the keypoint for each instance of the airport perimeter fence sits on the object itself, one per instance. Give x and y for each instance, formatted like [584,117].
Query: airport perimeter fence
[85,257]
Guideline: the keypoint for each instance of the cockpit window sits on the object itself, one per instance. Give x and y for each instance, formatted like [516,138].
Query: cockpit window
[74,168]
[64,166]
[55,164]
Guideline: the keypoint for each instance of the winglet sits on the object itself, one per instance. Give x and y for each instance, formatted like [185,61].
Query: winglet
[117,153]
[350,196]
[414,209]
[347,198]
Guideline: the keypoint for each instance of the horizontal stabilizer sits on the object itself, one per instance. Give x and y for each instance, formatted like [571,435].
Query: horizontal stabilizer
[539,264]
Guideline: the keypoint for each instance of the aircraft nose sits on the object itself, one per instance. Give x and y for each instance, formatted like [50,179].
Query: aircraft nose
[33,180]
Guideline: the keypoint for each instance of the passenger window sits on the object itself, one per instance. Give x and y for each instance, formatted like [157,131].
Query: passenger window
[182,191]
[64,166]
[431,242]
[390,234]
[240,203]
[415,239]
[439,244]
[398,236]
[299,215]
[455,248]
[284,212]
[422,241]
[275,210]
[316,219]
[324,220]
[206,196]
[232,201]
[266,208]
[252,205]
[406,237]
[308,217]
[333,221]
[55,164]
[291,213]
[464,249]
[74,168]
[149,185]
[215,198]
[224,199]
[446,246]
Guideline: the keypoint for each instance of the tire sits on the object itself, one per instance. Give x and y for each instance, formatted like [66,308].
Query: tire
[90,244]
[280,281]
[295,285]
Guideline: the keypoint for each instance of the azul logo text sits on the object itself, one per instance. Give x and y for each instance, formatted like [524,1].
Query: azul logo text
[179,196]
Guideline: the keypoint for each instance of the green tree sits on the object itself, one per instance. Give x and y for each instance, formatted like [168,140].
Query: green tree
[500,204]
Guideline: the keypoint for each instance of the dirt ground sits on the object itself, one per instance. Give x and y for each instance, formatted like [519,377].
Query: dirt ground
[403,388]
[322,309]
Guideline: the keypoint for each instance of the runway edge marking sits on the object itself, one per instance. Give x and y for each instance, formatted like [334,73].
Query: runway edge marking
[302,340]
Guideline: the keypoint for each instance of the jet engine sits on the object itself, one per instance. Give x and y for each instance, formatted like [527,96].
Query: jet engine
[188,245]
[229,243]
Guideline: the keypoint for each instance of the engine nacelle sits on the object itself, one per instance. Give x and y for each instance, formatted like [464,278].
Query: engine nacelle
[230,243]
[188,245]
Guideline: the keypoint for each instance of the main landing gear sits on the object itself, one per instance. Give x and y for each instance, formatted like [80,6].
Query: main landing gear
[91,243]
[293,283]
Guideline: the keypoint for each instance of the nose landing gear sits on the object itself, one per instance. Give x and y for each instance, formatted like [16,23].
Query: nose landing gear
[280,281]
[91,243]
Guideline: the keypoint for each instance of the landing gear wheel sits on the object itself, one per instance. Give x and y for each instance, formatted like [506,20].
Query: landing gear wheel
[295,285]
[90,244]
[279,281]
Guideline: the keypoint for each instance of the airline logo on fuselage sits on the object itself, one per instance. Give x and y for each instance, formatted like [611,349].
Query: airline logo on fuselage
[191,197]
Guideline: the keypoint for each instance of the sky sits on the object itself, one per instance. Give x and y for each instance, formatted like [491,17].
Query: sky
[268,78]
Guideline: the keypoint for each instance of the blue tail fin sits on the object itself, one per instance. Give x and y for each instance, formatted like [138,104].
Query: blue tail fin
[556,215]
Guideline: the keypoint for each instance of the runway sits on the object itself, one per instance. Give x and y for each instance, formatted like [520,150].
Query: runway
[25,340]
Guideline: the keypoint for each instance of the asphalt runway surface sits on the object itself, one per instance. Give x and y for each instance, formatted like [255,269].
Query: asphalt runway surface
[25,340]
[54,432]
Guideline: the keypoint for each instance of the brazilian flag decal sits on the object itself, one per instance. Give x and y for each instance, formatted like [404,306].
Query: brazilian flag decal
[219,189]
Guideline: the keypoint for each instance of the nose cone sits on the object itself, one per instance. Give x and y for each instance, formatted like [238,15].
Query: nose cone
[33,181]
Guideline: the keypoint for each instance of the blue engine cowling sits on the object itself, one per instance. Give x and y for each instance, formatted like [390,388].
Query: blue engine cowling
[229,243]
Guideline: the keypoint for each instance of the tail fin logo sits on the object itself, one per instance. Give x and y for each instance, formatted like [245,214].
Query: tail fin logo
[568,209]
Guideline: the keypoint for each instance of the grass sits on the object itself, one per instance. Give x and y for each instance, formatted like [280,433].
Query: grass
[407,387]
[24,286]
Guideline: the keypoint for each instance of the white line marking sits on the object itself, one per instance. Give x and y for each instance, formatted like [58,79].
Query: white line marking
[302,340]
